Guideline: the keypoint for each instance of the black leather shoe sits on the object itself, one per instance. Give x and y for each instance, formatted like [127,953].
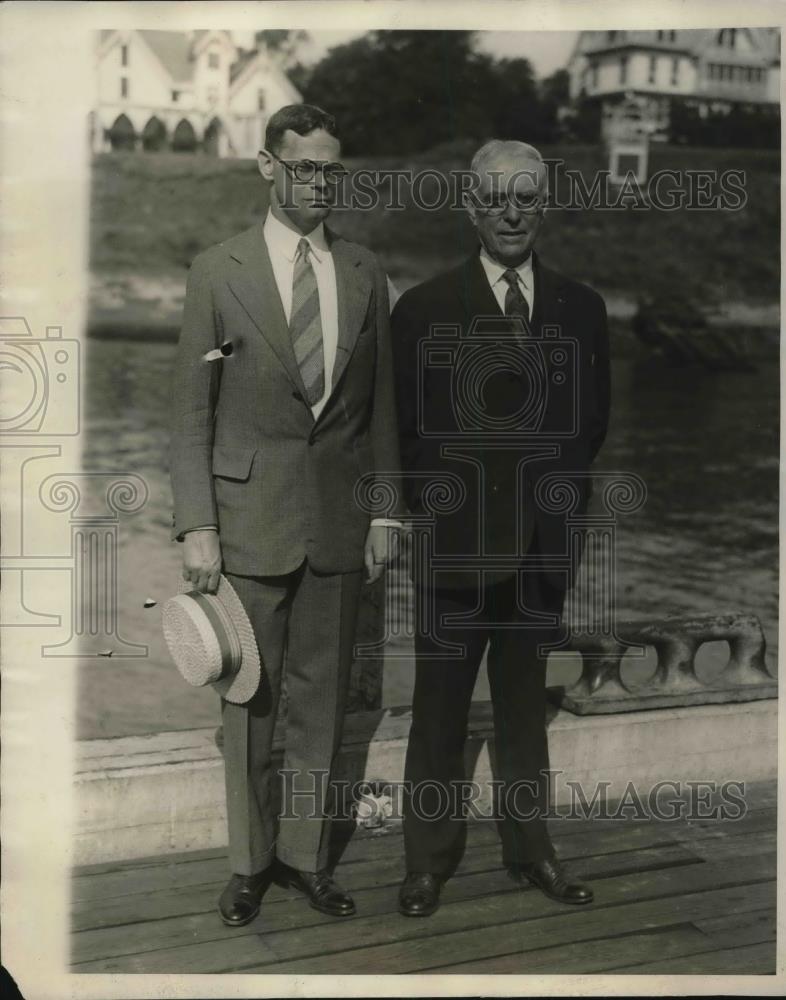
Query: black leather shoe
[419,894]
[321,891]
[239,902]
[549,877]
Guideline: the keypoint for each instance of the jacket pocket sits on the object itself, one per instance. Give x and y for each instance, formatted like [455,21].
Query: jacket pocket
[233,462]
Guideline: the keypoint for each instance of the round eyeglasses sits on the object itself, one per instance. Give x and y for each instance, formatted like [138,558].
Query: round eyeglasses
[497,204]
[306,170]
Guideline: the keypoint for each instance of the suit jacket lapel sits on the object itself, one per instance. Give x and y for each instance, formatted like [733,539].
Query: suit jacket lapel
[548,296]
[475,291]
[353,290]
[479,300]
[254,286]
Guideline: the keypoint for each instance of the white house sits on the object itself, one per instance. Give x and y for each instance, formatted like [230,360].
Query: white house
[181,90]
[712,69]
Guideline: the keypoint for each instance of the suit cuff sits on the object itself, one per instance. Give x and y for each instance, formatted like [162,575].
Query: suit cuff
[386,522]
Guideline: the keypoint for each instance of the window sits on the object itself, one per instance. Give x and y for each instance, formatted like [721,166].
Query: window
[261,100]
[672,36]
[727,37]
[212,95]
[660,35]
[213,60]
[123,55]
[124,86]
[611,35]
[675,71]
[594,75]
[175,96]
[624,69]
[653,68]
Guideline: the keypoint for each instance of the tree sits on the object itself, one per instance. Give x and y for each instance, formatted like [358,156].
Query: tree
[404,91]
[556,88]
[513,102]
[554,93]
[281,41]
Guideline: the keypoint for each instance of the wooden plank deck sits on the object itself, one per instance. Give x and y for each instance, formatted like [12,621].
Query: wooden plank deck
[681,897]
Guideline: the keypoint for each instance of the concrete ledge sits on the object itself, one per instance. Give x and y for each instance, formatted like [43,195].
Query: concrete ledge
[146,795]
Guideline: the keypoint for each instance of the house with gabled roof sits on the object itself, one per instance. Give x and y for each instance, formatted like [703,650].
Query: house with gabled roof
[711,70]
[186,91]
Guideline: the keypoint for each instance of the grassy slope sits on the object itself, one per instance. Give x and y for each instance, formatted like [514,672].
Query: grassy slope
[151,214]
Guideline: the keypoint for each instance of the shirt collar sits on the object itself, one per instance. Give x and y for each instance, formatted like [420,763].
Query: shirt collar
[283,240]
[494,271]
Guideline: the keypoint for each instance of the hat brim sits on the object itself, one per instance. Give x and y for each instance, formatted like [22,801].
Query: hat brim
[243,685]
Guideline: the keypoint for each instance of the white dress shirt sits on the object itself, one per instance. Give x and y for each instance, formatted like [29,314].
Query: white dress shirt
[282,243]
[499,285]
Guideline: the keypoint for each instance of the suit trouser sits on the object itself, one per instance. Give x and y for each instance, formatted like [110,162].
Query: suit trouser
[433,834]
[307,619]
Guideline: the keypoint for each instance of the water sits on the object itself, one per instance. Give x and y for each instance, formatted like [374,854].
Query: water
[706,539]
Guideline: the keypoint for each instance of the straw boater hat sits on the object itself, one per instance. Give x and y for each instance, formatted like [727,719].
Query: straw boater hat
[212,642]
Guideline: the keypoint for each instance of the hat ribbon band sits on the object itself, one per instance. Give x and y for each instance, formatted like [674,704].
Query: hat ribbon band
[230,651]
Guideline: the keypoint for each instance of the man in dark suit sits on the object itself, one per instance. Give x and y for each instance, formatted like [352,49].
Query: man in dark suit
[502,378]
[282,398]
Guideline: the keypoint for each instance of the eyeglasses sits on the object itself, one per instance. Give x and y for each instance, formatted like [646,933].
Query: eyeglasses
[306,170]
[528,204]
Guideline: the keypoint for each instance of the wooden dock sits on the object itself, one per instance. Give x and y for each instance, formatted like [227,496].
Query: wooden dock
[678,897]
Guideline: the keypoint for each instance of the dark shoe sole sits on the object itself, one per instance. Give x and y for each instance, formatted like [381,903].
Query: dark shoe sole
[560,899]
[418,913]
[239,923]
[332,913]
[292,884]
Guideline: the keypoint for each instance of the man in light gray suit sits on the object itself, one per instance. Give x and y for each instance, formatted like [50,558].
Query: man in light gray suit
[282,400]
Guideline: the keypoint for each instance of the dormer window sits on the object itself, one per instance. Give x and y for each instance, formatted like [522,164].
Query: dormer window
[213,60]
[175,96]
[261,101]
[727,37]
[123,55]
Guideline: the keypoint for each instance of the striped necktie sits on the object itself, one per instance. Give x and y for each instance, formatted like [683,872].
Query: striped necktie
[305,325]
[515,302]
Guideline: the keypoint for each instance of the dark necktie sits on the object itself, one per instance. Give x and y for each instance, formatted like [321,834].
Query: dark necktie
[515,303]
[305,325]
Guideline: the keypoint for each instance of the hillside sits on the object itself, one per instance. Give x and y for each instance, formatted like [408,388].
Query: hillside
[152,213]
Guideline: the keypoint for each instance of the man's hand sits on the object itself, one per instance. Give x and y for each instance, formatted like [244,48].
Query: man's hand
[202,559]
[381,547]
